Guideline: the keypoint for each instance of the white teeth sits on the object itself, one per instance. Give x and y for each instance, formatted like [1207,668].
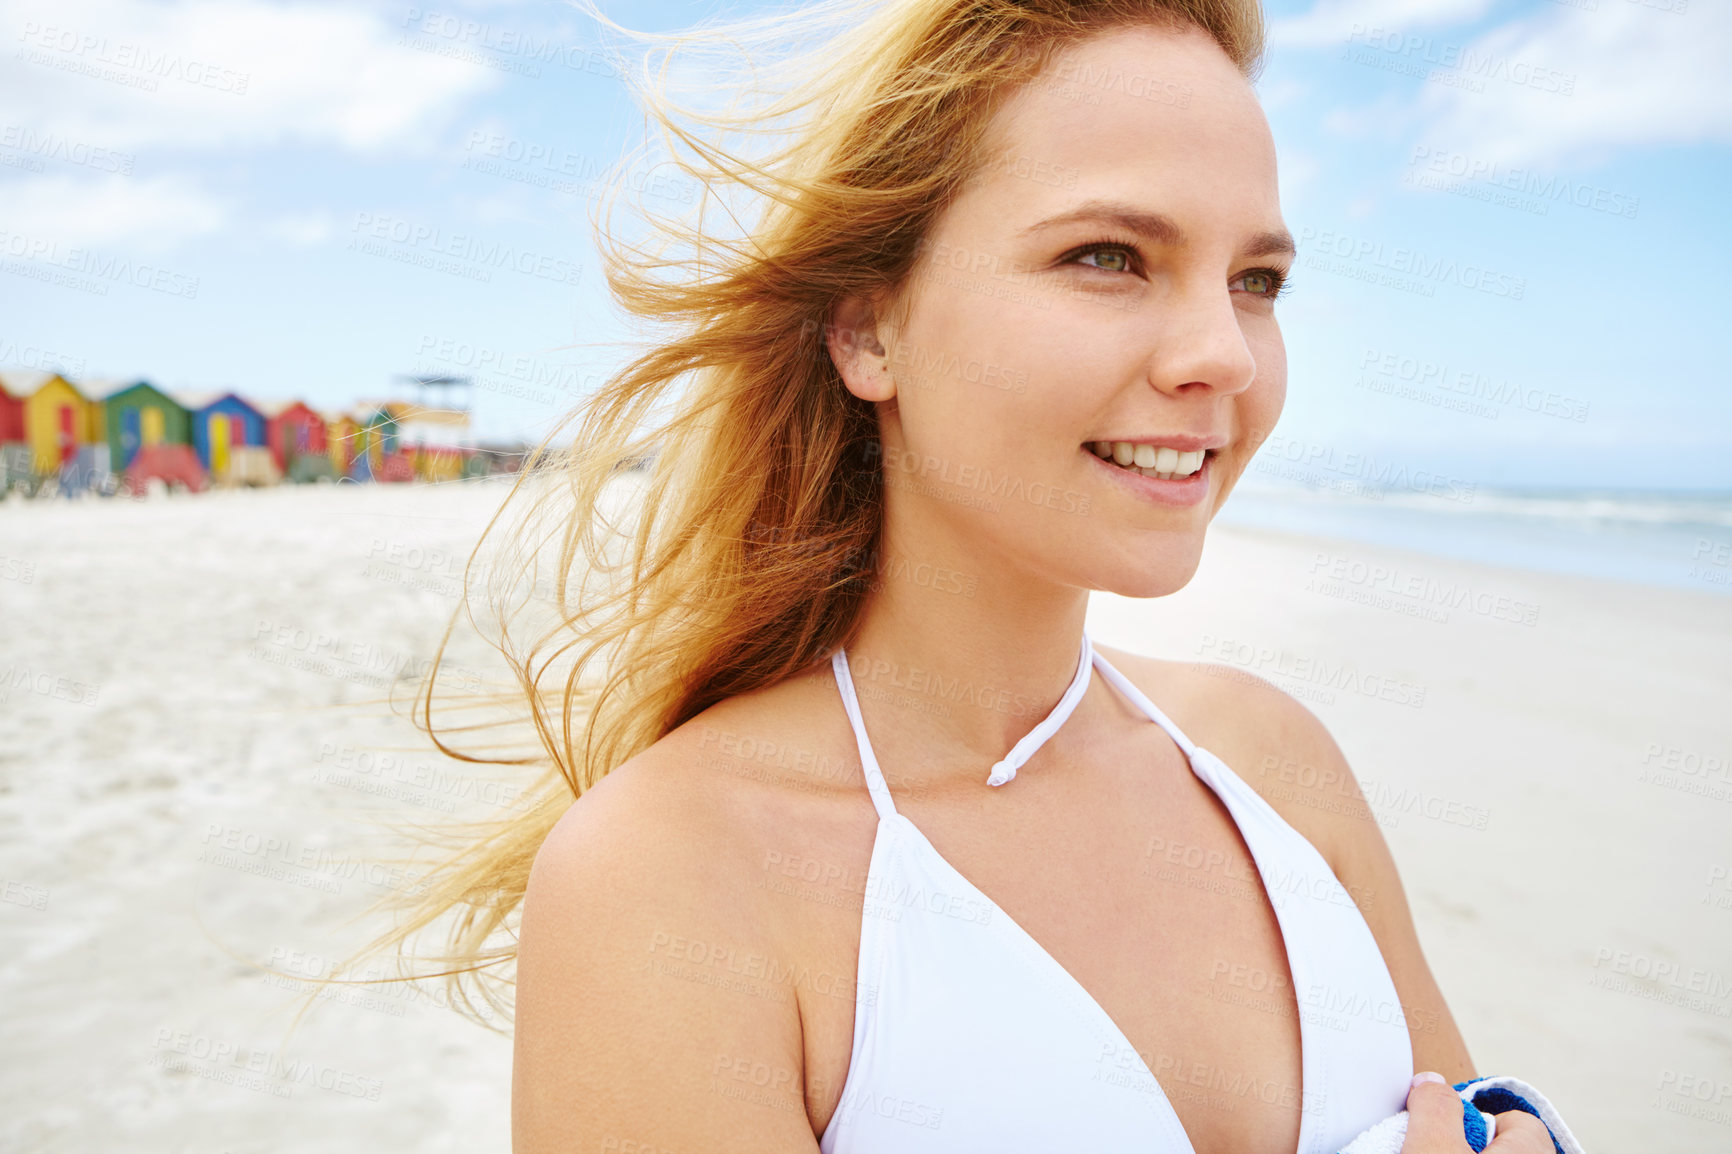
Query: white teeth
[1163,463]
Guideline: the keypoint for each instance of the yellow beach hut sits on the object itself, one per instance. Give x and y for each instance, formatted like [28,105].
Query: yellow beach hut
[342,441]
[437,441]
[57,419]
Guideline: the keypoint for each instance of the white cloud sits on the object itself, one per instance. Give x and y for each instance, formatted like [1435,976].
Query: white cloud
[208,74]
[1643,76]
[153,214]
[1331,21]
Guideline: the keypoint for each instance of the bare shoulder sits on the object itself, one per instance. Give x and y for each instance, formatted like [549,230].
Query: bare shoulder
[647,971]
[1270,739]
[1285,752]
[699,799]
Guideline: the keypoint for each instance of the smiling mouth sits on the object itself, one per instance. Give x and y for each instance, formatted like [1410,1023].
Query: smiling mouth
[1163,464]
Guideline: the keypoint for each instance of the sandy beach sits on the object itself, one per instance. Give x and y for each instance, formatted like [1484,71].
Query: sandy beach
[191,776]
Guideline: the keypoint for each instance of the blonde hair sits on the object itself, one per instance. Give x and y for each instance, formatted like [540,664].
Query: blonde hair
[753,547]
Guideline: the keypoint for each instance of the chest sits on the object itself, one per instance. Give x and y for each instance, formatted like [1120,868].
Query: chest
[1143,896]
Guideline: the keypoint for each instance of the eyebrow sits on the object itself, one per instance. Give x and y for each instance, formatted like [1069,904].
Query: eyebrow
[1277,243]
[1158,227]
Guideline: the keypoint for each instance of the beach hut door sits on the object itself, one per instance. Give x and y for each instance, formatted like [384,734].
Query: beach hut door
[153,426]
[68,435]
[219,444]
[129,434]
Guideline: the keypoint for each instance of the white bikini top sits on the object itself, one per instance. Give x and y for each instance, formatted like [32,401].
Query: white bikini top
[970,1037]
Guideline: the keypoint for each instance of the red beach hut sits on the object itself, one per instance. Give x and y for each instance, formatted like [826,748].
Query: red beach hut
[15,464]
[293,430]
[11,412]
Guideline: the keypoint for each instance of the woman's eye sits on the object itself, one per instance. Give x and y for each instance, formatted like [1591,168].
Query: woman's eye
[1264,282]
[1110,259]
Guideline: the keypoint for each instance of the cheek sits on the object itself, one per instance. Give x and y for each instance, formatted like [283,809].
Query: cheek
[970,374]
[1267,395]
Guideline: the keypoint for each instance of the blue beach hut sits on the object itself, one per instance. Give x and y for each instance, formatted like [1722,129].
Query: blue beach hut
[221,422]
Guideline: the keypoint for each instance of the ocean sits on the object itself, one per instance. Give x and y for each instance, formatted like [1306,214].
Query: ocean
[1678,540]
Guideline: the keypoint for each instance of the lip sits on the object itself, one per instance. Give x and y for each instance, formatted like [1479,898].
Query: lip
[1175,494]
[1180,442]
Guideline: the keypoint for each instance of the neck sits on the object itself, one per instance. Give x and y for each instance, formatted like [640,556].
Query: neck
[957,657]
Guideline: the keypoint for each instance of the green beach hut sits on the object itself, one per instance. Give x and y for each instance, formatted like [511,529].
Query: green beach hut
[137,415]
[376,425]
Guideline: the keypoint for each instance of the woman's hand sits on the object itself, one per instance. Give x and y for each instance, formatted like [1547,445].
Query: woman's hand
[1434,1124]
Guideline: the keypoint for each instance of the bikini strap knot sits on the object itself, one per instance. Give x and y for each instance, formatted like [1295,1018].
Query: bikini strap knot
[1006,768]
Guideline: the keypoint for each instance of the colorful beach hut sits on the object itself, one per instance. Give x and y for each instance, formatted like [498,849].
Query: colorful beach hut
[11,412]
[374,442]
[436,441]
[137,415]
[57,420]
[342,436]
[296,436]
[378,421]
[220,422]
[15,457]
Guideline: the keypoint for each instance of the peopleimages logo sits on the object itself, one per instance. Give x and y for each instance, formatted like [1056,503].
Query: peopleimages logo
[1473,67]
[54,146]
[1472,385]
[1662,979]
[90,270]
[380,234]
[1365,467]
[1464,169]
[509,49]
[1364,251]
[103,59]
[941,477]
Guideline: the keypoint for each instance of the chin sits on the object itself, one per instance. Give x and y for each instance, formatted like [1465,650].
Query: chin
[1158,580]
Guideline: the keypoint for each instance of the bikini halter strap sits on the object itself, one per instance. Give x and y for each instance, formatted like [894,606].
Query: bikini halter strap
[1006,767]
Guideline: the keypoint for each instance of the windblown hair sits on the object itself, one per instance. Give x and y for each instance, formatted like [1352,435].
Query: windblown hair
[747,551]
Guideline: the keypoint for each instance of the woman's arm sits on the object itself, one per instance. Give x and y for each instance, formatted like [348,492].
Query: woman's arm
[649,1017]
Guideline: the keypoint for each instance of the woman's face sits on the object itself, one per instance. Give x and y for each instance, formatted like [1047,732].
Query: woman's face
[1108,277]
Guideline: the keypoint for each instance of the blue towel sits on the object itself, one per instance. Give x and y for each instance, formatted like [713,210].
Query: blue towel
[1482,1100]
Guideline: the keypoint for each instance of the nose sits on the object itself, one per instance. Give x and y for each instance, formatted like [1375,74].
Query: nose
[1198,342]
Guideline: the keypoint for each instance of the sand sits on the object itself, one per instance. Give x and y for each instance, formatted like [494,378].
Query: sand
[187,780]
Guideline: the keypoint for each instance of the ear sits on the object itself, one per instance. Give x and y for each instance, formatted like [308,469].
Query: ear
[857,346]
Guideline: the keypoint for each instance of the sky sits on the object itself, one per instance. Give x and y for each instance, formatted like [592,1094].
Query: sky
[1505,209]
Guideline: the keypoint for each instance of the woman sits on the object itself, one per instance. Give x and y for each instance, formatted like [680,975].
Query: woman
[873,849]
